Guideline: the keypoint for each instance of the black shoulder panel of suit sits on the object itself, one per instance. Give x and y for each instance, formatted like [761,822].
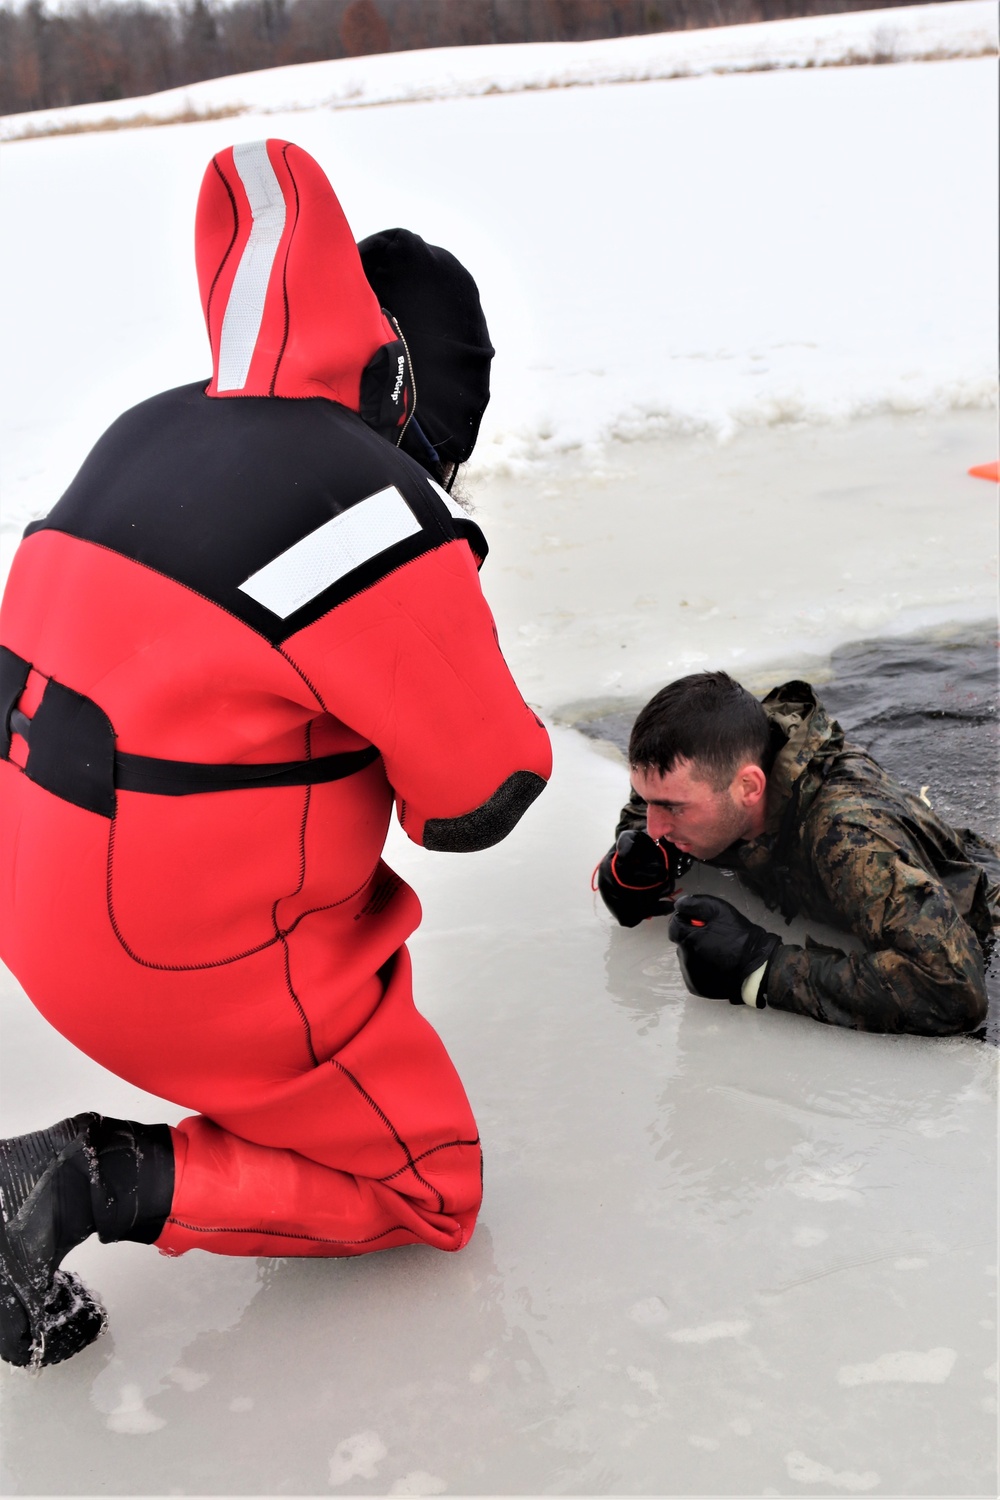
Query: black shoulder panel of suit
[210,491]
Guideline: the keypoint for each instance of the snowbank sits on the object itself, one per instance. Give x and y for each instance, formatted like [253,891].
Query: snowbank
[703,255]
[956,28]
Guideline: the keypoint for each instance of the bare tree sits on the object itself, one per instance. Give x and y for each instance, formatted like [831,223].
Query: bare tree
[363,30]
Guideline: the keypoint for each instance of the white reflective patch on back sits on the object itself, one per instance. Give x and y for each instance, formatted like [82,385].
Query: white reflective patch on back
[335,548]
[454,508]
[245,308]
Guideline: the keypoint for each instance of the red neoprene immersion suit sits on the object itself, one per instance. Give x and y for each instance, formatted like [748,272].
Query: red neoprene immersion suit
[249,625]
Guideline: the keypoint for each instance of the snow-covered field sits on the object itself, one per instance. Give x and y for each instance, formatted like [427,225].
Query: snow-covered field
[700,253]
[915,33]
[746,323]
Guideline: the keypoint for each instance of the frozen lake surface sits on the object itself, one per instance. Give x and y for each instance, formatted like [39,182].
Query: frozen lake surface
[722,1252]
[629,564]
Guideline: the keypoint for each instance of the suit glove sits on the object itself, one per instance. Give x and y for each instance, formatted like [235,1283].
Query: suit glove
[723,955]
[637,876]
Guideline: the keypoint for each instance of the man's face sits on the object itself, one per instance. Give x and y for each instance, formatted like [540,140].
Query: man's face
[687,810]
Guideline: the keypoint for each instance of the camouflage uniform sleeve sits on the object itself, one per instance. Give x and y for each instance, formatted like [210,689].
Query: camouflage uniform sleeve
[633,814]
[923,968]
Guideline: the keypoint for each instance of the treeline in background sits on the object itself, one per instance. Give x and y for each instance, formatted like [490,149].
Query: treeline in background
[95,50]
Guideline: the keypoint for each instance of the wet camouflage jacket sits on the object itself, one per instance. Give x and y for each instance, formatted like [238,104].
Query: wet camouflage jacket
[845,845]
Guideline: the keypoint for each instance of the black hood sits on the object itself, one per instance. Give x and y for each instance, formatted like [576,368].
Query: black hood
[436,304]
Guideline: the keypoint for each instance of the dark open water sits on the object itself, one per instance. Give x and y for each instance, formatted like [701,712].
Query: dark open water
[926,707]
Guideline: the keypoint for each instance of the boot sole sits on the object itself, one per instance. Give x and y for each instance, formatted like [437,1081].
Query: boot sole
[45,1316]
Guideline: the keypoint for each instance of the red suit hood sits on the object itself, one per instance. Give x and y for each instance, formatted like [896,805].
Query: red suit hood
[287,304]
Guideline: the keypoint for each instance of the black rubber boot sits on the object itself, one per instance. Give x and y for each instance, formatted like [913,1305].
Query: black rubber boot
[58,1186]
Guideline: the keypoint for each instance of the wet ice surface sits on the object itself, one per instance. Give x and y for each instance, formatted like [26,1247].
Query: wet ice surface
[927,709]
[721,1251]
[630,565]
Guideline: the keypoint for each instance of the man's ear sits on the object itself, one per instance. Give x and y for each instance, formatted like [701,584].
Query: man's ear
[749,785]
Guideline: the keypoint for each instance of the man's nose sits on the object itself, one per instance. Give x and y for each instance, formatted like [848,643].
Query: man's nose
[657,823]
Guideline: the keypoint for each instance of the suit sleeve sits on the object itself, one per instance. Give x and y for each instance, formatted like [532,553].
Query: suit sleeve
[414,666]
[923,968]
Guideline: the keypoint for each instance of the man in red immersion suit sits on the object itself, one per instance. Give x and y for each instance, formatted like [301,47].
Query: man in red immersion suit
[251,624]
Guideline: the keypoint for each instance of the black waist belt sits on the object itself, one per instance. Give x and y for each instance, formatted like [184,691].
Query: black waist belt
[71,752]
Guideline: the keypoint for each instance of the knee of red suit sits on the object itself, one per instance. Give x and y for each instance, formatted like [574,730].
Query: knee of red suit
[232,1197]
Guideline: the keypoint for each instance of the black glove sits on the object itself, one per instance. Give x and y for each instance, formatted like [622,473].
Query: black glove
[717,948]
[637,876]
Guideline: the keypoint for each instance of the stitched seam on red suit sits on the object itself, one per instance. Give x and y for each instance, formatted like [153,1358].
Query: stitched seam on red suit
[448,542]
[284,271]
[284,1234]
[410,1163]
[445,1146]
[148,963]
[274,909]
[287,931]
[328,905]
[309,684]
[297,1002]
[229,247]
[307,803]
[277,645]
[137,562]
[217,963]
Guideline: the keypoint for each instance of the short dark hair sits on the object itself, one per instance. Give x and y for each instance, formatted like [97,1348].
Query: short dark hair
[707,718]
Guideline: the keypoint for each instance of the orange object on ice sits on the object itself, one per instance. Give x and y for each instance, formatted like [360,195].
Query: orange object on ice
[986,471]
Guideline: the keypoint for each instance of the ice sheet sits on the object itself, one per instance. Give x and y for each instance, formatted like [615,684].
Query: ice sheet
[616,570]
[721,1252]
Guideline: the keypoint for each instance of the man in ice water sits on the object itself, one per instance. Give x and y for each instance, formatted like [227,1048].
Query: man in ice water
[816,828]
[251,624]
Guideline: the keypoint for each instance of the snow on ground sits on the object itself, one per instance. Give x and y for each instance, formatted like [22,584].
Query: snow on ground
[746,326]
[957,28]
[701,254]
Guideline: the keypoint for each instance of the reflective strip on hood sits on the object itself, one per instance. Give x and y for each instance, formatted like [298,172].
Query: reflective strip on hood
[245,308]
[288,307]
